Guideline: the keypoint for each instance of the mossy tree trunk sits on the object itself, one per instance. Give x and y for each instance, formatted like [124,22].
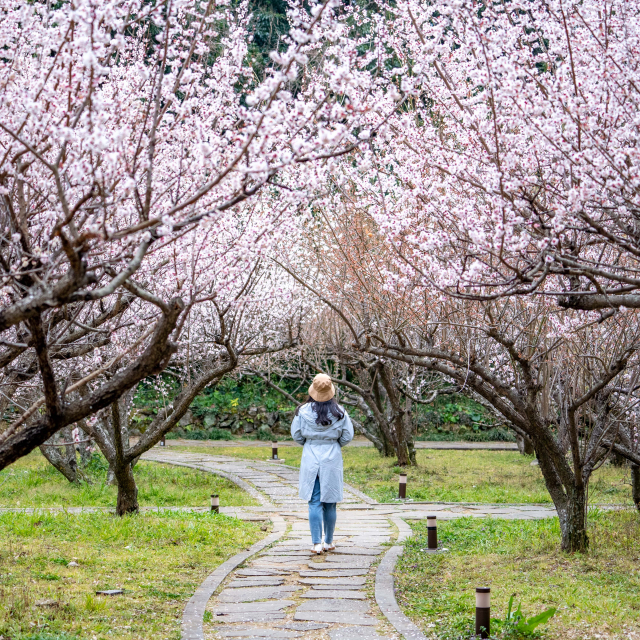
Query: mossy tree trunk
[127,490]
[573,523]
[123,473]
[525,446]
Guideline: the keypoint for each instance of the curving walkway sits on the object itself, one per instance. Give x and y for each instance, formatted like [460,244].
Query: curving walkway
[277,589]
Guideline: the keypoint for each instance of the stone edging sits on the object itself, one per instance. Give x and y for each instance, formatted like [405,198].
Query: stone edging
[385,591]
[192,618]
[363,496]
[229,476]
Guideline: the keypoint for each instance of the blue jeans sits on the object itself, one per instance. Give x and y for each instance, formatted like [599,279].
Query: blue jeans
[319,513]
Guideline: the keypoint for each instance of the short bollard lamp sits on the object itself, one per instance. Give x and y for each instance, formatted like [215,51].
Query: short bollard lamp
[432,533]
[163,442]
[402,487]
[274,450]
[483,612]
[215,503]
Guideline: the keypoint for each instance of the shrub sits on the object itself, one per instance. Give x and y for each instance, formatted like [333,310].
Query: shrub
[214,433]
[264,433]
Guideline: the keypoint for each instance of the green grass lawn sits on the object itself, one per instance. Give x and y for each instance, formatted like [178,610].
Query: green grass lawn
[159,559]
[597,594]
[451,476]
[33,482]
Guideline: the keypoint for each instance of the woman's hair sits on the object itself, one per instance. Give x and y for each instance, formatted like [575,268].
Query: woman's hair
[324,410]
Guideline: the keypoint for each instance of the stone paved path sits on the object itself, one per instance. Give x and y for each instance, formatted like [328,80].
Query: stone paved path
[283,591]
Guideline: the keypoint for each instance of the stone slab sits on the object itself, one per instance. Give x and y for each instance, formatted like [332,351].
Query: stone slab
[252,607]
[363,561]
[255,582]
[274,561]
[334,605]
[257,632]
[336,593]
[372,528]
[285,560]
[337,617]
[285,568]
[259,572]
[356,633]
[328,566]
[303,626]
[340,587]
[255,593]
[357,551]
[335,582]
[334,573]
[364,530]
[256,616]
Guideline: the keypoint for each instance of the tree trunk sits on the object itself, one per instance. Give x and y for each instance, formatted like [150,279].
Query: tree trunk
[403,441]
[525,446]
[403,454]
[569,499]
[377,431]
[389,451]
[573,523]
[62,458]
[412,453]
[635,485]
[398,426]
[369,429]
[127,490]
[411,431]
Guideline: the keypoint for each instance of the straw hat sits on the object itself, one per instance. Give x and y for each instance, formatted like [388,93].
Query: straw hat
[322,388]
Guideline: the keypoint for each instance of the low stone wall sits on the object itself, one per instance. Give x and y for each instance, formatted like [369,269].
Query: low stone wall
[255,420]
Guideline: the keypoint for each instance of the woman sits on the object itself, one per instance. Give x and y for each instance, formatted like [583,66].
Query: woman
[323,428]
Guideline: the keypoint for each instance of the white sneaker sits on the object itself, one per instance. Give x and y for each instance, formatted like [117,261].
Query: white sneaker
[317,549]
[328,547]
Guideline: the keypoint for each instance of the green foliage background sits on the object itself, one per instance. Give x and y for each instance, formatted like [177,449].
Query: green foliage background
[449,417]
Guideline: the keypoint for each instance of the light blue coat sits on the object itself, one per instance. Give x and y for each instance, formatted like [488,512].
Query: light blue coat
[322,453]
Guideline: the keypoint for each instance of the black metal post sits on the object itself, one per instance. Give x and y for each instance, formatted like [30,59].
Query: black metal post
[432,533]
[483,612]
[163,442]
[402,487]
[215,503]
[274,450]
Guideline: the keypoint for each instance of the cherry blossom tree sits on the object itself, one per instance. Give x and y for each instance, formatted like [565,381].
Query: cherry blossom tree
[129,135]
[221,335]
[511,170]
[568,385]
[344,266]
[514,167]
[564,380]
